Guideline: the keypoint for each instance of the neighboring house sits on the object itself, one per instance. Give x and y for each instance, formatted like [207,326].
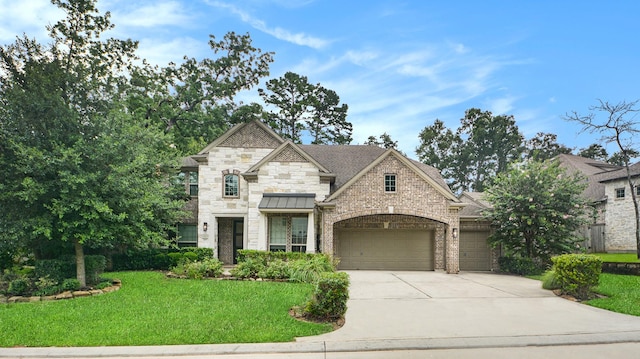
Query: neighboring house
[613,226]
[370,207]
[620,213]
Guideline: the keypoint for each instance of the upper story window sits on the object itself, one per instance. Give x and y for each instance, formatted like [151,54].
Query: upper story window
[193,183]
[390,183]
[619,193]
[231,185]
[637,190]
[190,181]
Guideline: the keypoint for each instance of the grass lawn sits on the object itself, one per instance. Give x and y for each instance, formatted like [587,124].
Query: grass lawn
[622,291]
[618,257]
[151,309]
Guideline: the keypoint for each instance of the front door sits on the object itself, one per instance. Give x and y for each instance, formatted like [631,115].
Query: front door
[238,238]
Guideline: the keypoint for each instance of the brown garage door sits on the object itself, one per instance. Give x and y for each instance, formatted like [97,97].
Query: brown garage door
[385,249]
[475,254]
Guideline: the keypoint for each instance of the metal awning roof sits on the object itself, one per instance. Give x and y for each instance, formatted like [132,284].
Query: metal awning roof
[302,202]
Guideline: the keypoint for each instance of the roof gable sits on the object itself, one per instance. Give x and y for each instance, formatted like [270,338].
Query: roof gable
[288,152]
[254,134]
[445,191]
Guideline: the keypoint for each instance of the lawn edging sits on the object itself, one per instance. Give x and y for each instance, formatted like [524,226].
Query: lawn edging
[621,268]
[115,285]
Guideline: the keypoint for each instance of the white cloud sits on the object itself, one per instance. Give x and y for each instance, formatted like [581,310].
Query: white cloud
[301,39]
[152,15]
[502,106]
[160,52]
[26,16]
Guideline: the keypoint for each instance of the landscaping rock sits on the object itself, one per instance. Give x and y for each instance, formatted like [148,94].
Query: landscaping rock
[35,299]
[110,289]
[81,293]
[48,297]
[96,292]
[17,299]
[64,295]
[116,282]
[3,299]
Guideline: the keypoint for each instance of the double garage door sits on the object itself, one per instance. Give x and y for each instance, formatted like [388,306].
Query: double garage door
[406,249]
[385,249]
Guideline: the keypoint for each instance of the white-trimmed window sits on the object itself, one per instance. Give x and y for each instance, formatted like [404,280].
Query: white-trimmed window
[231,185]
[637,190]
[288,233]
[390,182]
[620,193]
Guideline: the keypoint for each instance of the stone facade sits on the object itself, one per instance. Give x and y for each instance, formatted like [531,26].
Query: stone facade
[619,219]
[265,163]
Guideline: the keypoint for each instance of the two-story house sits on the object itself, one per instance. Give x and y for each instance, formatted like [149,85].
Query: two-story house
[370,207]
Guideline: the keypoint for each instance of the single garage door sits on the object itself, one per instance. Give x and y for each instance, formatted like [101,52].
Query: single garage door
[385,249]
[475,254]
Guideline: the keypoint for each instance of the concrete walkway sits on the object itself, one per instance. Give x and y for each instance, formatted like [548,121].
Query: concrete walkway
[427,314]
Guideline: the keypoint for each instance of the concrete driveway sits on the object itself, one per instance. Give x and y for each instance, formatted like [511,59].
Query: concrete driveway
[423,310]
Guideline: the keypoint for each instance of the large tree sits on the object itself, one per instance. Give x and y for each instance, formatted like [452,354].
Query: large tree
[595,151]
[195,100]
[619,126]
[301,108]
[536,209]
[483,146]
[544,146]
[82,170]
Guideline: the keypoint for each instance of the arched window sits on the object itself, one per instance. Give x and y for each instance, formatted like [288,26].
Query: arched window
[231,185]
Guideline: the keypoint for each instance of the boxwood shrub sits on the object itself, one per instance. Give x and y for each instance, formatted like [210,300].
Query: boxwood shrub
[330,296]
[577,274]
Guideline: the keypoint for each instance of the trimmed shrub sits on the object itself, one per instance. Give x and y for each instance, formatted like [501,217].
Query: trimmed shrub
[200,252]
[248,268]
[266,257]
[19,286]
[276,269]
[190,257]
[577,273]
[330,296]
[310,270]
[71,284]
[56,269]
[521,265]
[208,268]
[175,258]
[550,280]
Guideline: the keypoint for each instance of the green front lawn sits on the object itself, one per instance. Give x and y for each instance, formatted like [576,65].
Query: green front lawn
[618,257]
[622,291]
[150,309]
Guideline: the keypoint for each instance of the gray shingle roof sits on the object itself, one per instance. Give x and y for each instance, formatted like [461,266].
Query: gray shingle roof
[476,204]
[346,161]
[594,170]
[621,173]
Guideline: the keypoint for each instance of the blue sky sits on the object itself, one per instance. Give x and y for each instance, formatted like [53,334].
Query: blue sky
[400,65]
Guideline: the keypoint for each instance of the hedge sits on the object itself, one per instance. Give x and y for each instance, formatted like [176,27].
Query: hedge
[330,296]
[577,274]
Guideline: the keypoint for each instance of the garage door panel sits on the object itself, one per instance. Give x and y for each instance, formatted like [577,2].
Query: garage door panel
[475,253]
[385,249]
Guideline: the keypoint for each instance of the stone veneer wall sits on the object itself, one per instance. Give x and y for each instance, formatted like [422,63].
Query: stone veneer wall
[280,177]
[414,197]
[211,203]
[620,223]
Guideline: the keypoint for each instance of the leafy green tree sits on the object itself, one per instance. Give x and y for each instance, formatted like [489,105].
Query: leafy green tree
[194,101]
[483,146]
[303,108]
[536,209]
[595,151]
[545,146]
[384,141]
[621,127]
[620,158]
[83,170]
[439,148]
[328,123]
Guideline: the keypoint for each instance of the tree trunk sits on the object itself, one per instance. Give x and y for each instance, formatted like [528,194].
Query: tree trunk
[80,271]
